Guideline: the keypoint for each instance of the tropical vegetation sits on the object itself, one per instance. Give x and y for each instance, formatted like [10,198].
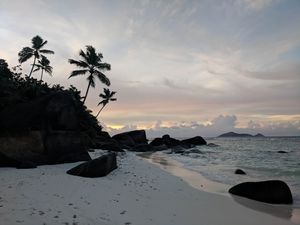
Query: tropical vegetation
[107,96]
[92,65]
[36,51]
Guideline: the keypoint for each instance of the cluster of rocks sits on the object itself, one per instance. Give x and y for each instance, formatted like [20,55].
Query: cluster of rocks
[47,131]
[137,141]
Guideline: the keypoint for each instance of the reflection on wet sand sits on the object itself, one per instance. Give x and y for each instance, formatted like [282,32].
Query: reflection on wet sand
[197,181]
[194,179]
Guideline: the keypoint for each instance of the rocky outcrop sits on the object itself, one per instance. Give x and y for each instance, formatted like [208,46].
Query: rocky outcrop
[272,191]
[175,145]
[165,140]
[194,141]
[105,142]
[131,138]
[142,148]
[97,167]
[43,131]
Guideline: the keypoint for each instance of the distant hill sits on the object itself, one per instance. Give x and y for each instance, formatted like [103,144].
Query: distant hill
[233,134]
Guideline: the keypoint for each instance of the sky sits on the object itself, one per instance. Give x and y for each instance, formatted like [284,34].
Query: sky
[181,67]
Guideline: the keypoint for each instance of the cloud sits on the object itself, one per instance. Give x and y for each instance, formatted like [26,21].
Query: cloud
[171,60]
[215,127]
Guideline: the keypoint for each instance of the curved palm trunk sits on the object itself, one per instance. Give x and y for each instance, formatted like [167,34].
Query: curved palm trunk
[32,66]
[42,74]
[100,110]
[87,91]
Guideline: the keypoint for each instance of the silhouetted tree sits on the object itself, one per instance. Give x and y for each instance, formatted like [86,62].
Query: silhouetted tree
[44,65]
[92,65]
[107,97]
[36,51]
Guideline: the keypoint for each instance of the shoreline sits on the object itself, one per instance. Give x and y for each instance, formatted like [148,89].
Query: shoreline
[136,193]
[200,182]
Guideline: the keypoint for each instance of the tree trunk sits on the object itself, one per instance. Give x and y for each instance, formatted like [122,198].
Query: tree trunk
[100,110]
[87,91]
[42,74]
[32,66]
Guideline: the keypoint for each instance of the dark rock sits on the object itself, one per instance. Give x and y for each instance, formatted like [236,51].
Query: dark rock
[131,138]
[177,149]
[26,165]
[282,151]
[194,141]
[6,161]
[165,140]
[160,147]
[194,150]
[239,171]
[212,145]
[272,191]
[111,146]
[48,134]
[142,148]
[157,142]
[97,167]
[259,135]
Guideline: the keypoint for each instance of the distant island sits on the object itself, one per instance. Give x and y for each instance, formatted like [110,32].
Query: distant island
[233,134]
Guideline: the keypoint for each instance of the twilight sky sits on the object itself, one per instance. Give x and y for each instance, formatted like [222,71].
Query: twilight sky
[180,67]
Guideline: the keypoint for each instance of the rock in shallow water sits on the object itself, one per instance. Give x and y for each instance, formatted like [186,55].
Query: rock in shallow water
[97,167]
[272,191]
[239,171]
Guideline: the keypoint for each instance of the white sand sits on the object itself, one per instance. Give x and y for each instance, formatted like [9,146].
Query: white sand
[137,193]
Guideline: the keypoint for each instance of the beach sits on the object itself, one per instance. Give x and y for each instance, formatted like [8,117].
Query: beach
[138,192]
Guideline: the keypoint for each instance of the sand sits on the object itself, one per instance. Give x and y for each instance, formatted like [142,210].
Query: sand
[137,193]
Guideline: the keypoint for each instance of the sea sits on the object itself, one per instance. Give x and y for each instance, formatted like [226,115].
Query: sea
[258,157]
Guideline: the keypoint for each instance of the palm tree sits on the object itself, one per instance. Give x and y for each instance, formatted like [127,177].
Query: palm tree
[36,51]
[44,65]
[107,97]
[91,64]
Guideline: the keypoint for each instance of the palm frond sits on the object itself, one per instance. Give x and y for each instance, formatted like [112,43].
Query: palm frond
[83,55]
[113,99]
[25,54]
[44,43]
[103,102]
[79,63]
[77,72]
[38,67]
[103,66]
[102,77]
[37,41]
[46,51]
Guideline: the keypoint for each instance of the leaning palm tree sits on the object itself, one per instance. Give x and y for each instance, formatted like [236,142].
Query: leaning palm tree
[36,51]
[107,97]
[44,65]
[92,65]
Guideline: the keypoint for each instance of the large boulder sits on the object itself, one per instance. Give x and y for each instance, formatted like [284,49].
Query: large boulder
[165,140]
[142,148]
[43,131]
[272,191]
[105,142]
[6,161]
[194,141]
[97,167]
[131,138]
